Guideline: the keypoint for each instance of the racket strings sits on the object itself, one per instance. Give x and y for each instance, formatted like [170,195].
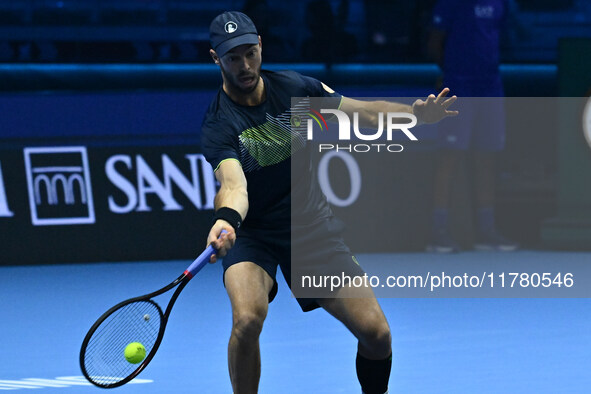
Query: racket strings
[104,358]
[110,335]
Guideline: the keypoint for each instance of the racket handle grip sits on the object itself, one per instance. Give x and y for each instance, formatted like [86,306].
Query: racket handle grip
[202,260]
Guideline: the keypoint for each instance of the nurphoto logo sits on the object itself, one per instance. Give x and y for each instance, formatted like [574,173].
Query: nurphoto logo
[394,122]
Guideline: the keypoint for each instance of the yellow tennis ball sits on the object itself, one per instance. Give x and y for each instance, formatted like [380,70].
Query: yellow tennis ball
[135,352]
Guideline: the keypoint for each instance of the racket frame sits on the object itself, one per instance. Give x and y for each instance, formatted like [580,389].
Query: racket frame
[181,282]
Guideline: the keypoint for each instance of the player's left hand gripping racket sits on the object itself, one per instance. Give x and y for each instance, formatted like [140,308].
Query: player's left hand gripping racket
[138,319]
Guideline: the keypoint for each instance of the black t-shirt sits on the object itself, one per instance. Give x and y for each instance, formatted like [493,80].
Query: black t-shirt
[272,149]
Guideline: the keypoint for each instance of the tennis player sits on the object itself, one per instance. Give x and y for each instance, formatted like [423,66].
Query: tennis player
[246,137]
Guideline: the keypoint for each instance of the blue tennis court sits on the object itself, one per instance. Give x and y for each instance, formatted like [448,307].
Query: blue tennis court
[468,345]
[113,122]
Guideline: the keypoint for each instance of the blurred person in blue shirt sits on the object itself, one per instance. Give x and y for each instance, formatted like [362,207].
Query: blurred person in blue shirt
[465,42]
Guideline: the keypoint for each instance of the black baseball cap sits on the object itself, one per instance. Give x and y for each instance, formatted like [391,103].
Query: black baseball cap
[230,29]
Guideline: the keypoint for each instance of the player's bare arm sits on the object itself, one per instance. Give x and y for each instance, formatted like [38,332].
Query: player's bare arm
[232,194]
[431,110]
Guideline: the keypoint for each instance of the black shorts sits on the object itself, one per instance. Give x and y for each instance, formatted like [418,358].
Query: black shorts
[317,249]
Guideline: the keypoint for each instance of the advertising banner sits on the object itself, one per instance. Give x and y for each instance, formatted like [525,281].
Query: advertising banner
[76,203]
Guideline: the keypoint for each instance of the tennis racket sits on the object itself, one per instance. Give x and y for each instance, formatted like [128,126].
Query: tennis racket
[138,319]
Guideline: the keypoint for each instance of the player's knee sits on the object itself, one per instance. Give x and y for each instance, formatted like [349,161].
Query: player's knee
[382,338]
[248,325]
[377,338]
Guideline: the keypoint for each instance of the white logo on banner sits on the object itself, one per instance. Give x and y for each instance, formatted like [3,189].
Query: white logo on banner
[200,189]
[58,180]
[4,210]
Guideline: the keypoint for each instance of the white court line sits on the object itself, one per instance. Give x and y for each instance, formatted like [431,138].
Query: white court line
[61,381]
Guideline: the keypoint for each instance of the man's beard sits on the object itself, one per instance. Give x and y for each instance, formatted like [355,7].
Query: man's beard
[234,83]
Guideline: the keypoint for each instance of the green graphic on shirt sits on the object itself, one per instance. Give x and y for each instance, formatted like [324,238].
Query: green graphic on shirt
[275,140]
[269,143]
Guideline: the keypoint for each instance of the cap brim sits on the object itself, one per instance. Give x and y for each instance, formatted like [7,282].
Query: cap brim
[249,38]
